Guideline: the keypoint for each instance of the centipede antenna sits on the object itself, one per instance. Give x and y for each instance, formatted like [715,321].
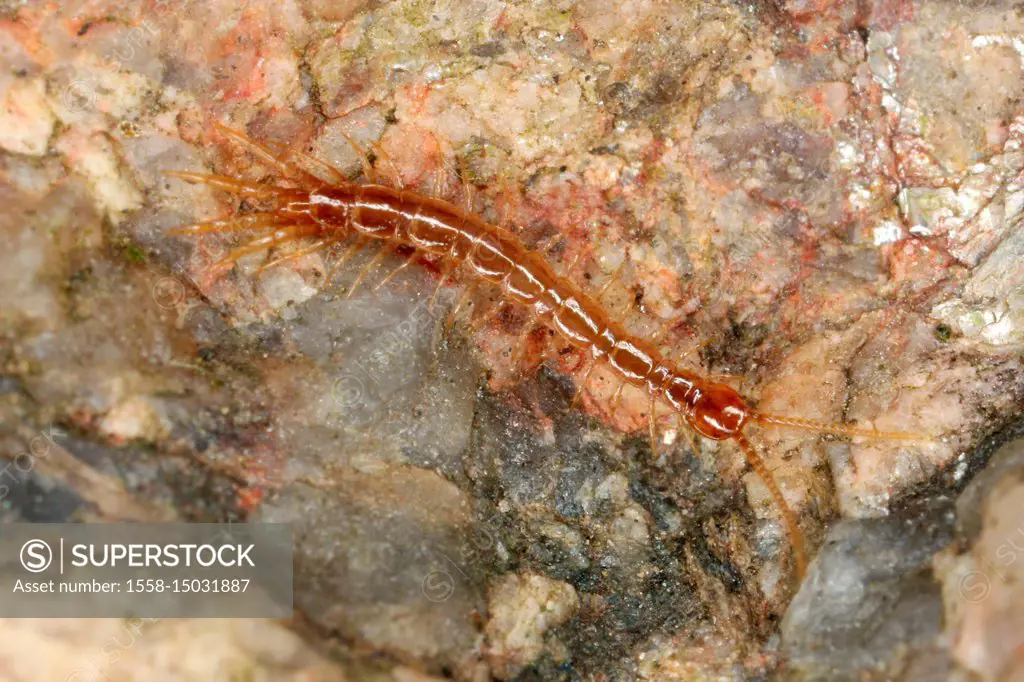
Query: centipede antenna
[364,161]
[380,255]
[294,255]
[652,427]
[284,167]
[796,537]
[837,429]
[222,182]
[232,224]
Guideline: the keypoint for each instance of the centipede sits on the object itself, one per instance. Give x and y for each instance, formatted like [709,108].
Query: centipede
[314,205]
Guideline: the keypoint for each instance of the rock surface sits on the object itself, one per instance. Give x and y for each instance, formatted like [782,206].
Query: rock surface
[982,586]
[823,199]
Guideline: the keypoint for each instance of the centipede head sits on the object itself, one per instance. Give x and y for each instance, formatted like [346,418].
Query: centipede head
[719,413]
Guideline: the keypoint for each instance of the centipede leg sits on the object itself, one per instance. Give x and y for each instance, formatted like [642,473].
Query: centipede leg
[294,255]
[281,236]
[506,204]
[614,277]
[582,384]
[439,182]
[286,169]
[490,313]
[381,255]
[519,350]
[395,175]
[445,274]
[349,252]
[233,185]
[364,160]
[468,199]
[405,263]
[233,224]
[466,296]
[572,264]
[617,396]
[629,303]
[334,174]
[661,336]
[688,435]
[546,245]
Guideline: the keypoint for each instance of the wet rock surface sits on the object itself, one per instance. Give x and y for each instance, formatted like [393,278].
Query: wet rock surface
[822,199]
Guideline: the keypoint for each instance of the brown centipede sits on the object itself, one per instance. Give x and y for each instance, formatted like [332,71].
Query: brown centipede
[328,208]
